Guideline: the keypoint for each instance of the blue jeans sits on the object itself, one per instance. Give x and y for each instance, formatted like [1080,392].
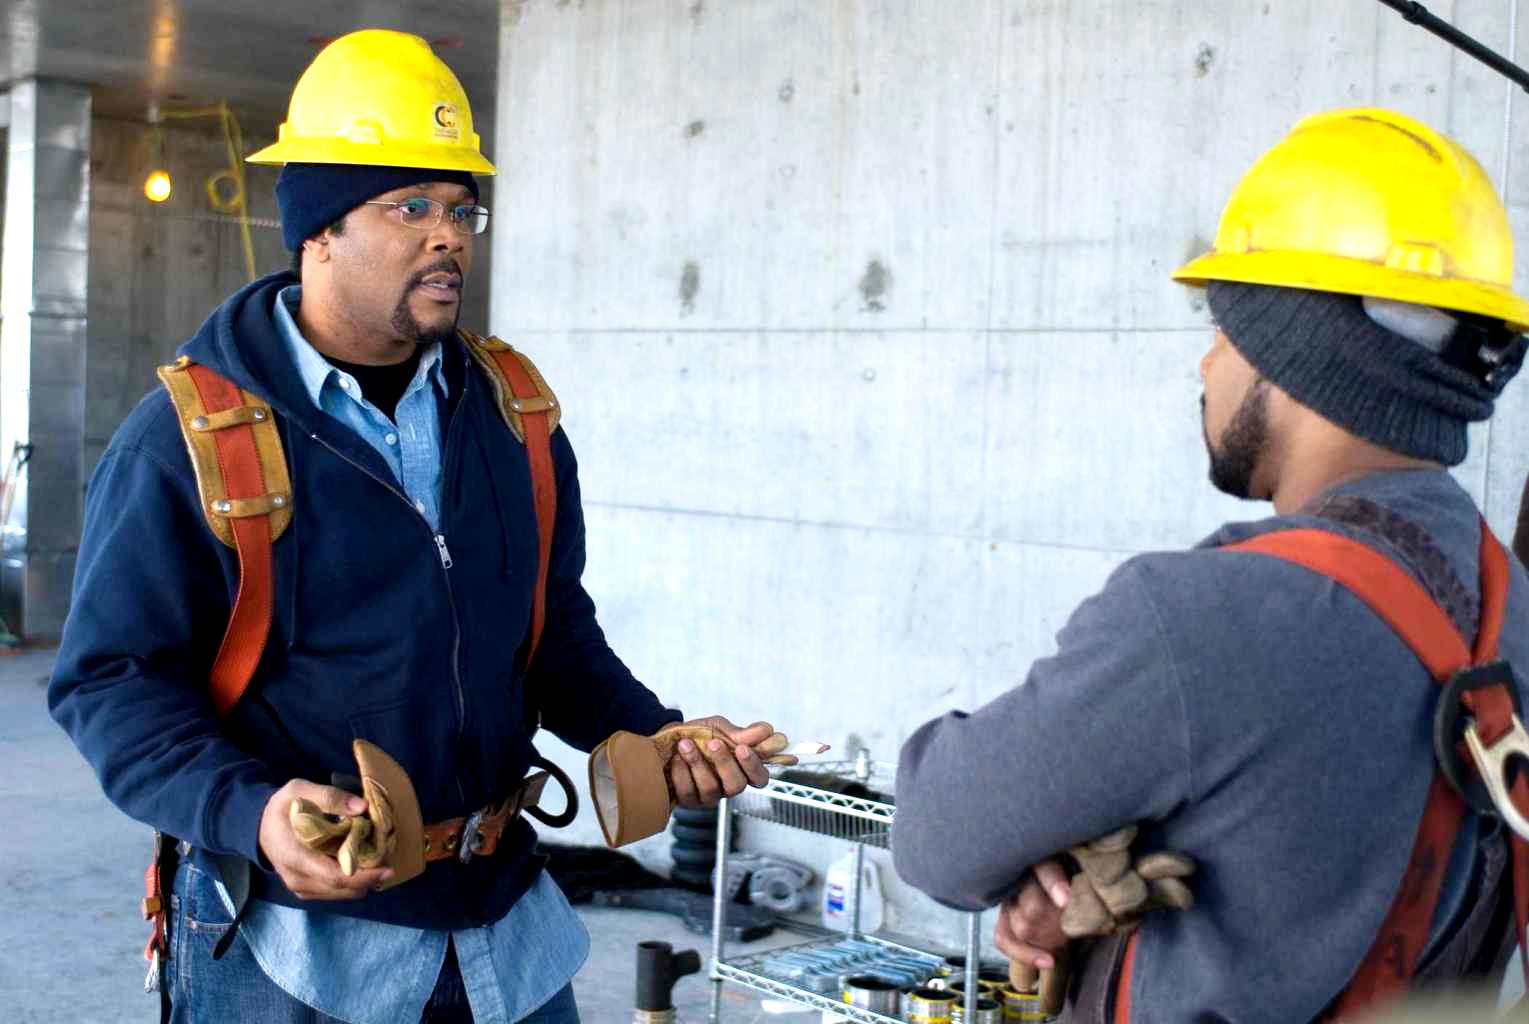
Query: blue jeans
[234,988]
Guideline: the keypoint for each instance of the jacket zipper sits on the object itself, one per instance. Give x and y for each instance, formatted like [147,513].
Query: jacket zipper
[445,555]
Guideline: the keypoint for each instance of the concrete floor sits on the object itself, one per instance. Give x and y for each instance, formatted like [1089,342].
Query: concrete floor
[71,876]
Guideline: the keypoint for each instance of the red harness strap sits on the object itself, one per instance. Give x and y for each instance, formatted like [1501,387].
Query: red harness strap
[543,482]
[250,623]
[1400,601]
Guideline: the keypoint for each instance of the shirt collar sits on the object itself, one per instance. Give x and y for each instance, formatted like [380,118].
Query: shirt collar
[316,371]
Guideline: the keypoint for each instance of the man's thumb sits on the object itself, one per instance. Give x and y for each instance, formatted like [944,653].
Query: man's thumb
[331,800]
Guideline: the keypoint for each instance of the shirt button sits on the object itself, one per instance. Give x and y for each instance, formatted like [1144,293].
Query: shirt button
[344,384]
[391,439]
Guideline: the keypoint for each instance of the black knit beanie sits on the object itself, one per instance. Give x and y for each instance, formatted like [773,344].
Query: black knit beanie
[1325,352]
[314,196]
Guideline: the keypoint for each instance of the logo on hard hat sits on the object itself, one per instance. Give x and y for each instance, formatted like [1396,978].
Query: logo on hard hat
[446,122]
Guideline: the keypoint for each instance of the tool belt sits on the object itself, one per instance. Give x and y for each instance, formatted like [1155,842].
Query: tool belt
[477,834]
[393,834]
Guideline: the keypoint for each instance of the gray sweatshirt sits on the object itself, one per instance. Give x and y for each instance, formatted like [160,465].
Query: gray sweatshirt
[1251,714]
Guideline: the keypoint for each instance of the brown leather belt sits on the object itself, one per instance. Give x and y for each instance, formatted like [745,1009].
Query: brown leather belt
[477,834]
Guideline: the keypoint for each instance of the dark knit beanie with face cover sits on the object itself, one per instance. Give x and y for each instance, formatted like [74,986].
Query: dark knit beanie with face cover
[314,196]
[1326,352]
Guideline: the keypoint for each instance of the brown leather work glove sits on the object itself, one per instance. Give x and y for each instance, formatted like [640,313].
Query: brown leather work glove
[392,834]
[1110,895]
[1115,890]
[629,778]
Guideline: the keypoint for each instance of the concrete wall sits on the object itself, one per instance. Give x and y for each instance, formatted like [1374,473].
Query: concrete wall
[158,270]
[860,313]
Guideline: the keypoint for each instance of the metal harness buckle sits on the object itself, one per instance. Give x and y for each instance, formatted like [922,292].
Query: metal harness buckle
[1455,733]
[1492,765]
[151,980]
[472,839]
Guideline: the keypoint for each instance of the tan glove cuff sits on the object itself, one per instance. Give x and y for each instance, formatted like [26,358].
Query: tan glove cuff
[629,777]
[628,780]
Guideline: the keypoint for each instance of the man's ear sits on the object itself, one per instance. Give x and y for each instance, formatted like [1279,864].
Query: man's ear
[317,247]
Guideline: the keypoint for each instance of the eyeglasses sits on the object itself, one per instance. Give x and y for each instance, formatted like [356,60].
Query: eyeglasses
[424,214]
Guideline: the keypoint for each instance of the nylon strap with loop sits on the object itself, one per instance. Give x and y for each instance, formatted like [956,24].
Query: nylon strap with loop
[1403,604]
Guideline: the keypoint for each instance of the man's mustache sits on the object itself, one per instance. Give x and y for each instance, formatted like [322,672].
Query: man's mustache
[445,266]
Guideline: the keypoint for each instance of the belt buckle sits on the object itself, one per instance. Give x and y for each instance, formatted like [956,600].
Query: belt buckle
[472,839]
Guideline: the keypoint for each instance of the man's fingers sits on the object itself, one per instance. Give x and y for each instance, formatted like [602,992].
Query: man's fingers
[1013,946]
[748,735]
[730,777]
[336,885]
[682,783]
[753,768]
[707,791]
[1029,916]
[329,799]
[1053,878]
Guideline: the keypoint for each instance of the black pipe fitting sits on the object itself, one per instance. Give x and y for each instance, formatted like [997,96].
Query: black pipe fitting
[658,968]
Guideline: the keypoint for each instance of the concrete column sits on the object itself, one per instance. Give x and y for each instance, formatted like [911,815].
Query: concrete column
[42,348]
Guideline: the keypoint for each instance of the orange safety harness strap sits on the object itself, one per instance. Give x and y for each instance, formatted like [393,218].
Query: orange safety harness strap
[244,478]
[1407,608]
[535,424]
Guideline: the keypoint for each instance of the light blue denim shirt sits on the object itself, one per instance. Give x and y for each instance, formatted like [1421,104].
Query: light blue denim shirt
[412,445]
[366,972]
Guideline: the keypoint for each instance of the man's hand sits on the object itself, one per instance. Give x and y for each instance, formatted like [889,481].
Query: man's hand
[309,874]
[700,778]
[1029,929]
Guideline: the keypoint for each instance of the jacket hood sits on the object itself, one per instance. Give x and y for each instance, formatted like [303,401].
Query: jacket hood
[257,361]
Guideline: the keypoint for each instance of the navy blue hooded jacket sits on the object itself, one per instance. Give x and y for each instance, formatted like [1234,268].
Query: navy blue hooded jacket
[372,635]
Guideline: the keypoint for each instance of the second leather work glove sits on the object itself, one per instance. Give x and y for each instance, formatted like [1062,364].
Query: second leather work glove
[391,834]
[629,778]
[1109,895]
[1114,889]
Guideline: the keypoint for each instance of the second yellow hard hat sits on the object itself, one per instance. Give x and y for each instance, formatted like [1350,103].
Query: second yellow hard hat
[1369,202]
[381,99]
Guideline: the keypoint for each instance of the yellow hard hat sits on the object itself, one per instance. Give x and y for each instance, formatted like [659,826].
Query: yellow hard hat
[1369,202]
[382,99]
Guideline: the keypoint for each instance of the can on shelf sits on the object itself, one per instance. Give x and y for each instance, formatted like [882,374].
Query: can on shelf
[993,981]
[872,993]
[929,1006]
[988,1012]
[1021,1006]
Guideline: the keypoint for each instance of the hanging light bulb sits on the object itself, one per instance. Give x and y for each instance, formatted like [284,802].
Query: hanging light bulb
[156,187]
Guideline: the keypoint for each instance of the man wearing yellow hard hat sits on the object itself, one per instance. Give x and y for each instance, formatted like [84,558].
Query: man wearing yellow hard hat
[329,588]
[1312,710]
